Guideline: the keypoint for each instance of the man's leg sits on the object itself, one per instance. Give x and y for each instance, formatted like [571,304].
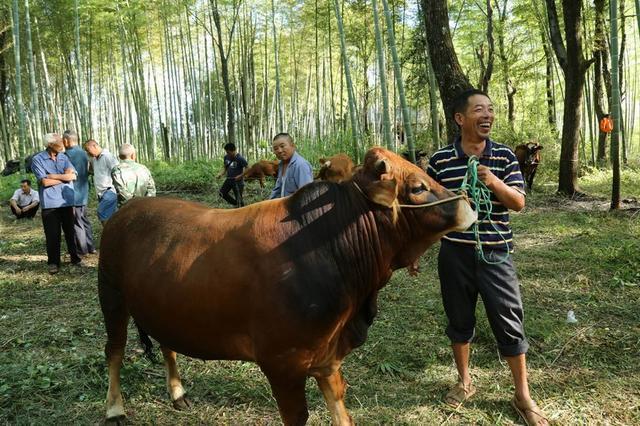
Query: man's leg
[238,188]
[30,214]
[227,186]
[88,230]
[456,269]
[66,214]
[51,223]
[107,205]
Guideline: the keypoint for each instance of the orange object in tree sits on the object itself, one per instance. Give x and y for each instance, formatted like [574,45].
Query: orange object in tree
[606,124]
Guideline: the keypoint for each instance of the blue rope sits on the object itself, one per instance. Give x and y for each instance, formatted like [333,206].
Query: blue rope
[481,197]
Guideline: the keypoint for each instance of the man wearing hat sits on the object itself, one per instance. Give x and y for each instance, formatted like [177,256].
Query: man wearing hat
[55,175]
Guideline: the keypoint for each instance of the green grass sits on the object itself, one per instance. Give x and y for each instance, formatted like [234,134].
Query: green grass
[570,255]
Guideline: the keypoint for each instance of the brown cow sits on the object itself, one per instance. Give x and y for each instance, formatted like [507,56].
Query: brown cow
[303,290]
[261,169]
[528,158]
[337,168]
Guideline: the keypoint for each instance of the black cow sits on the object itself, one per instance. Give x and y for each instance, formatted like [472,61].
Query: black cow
[528,158]
[13,166]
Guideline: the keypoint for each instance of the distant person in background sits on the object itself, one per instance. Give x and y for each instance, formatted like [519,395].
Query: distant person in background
[101,163]
[25,201]
[81,224]
[131,179]
[234,165]
[55,175]
[293,170]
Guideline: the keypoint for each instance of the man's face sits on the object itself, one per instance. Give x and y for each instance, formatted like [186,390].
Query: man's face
[283,148]
[231,154]
[25,187]
[477,119]
[92,149]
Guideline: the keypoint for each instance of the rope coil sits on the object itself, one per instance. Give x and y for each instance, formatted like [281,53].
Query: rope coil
[478,192]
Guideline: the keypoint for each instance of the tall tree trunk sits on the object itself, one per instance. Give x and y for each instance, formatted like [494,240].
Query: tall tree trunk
[19,106]
[487,69]
[451,78]
[386,122]
[35,105]
[406,118]
[615,107]
[575,67]
[601,64]
[224,65]
[355,133]
[278,99]
[509,88]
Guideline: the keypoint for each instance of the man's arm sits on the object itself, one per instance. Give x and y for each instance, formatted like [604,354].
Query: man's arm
[68,176]
[120,186]
[13,204]
[507,195]
[304,175]
[151,186]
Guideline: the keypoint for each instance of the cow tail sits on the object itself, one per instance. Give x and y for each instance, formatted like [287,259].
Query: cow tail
[147,345]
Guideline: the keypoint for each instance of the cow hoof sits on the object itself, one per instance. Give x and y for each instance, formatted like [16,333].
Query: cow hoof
[115,421]
[182,403]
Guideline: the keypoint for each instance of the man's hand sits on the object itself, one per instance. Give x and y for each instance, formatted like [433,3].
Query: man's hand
[486,176]
[238,177]
[18,210]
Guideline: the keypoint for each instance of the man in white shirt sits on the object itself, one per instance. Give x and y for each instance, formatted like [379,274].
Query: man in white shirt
[101,163]
[25,201]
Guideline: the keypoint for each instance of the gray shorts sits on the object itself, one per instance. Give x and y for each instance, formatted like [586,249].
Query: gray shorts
[462,277]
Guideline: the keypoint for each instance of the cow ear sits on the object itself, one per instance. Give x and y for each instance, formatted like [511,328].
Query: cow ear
[383,192]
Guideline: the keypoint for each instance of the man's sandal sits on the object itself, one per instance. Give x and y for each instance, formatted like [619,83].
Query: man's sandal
[530,412]
[459,393]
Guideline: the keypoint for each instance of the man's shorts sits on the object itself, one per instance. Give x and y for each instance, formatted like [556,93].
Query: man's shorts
[107,205]
[463,277]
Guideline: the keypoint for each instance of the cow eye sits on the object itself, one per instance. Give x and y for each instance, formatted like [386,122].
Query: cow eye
[418,190]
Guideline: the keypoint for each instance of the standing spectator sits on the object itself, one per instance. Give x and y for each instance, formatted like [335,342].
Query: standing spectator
[25,201]
[293,170]
[81,224]
[131,179]
[234,165]
[101,163]
[463,275]
[55,175]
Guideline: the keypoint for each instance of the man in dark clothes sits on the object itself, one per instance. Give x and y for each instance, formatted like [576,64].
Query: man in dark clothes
[234,165]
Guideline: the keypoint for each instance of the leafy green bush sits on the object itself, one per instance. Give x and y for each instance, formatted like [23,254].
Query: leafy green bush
[196,176]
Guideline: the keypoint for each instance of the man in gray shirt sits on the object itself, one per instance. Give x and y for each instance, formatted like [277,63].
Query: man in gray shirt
[101,163]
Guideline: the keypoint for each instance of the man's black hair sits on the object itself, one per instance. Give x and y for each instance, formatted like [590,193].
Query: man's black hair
[230,147]
[27,181]
[283,135]
[461,101]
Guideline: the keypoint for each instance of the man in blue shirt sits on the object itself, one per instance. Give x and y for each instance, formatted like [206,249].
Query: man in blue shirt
[463,274]
[55,175]
[81,224]
[293,171]
[234,165]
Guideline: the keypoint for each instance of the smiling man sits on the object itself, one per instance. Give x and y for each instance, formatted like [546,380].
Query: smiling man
[463,274]
[293,171]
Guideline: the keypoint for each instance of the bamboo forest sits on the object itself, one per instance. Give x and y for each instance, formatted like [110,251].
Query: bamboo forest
[209,207]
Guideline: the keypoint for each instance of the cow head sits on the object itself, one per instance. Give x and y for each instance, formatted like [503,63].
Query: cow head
[337,168]
[533,152]
[393,182]
[420,212]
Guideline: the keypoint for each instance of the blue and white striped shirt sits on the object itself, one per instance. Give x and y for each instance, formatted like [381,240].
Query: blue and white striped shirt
[448,166]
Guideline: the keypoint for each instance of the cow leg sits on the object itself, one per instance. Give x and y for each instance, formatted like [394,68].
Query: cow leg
[289,392]
[116,323]
[174,384]
[333,389]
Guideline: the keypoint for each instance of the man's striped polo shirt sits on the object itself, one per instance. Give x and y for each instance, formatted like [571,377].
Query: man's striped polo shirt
[449,165]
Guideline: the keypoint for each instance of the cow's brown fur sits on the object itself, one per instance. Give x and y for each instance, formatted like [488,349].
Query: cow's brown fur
[528,156]
[262,169]
[337,168]
[290,283]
